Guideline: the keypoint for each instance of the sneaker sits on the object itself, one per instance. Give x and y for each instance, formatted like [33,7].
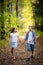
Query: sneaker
[28,59]
[32,56]
[14,58]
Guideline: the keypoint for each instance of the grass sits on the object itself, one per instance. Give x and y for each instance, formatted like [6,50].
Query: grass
[39,33]
[3,43]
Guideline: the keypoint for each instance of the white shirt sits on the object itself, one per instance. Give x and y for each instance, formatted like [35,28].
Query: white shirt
[30,37]
[14,37]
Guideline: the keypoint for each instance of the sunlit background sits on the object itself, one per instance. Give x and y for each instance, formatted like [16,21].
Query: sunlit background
[20,14]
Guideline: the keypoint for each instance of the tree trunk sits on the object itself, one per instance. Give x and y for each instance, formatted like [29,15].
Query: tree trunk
[17,8]
[2,20]
[10,12]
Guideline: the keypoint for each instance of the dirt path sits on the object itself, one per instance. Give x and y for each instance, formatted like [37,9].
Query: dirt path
[21,54]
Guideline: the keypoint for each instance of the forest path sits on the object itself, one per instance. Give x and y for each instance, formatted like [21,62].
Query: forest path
[21,54]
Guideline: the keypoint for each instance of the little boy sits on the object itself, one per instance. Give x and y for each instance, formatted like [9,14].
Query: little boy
[31,40]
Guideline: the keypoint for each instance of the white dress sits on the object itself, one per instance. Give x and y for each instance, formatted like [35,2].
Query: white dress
[14,40]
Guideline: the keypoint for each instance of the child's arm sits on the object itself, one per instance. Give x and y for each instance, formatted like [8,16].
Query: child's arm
[34,37]
[19,39]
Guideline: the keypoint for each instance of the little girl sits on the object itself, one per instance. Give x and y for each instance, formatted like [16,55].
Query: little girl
[13,41]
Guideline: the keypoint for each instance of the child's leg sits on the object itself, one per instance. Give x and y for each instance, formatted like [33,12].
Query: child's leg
[32,50]
[28,50]
[12,49]
[13,52]
[28,54]
[32,54]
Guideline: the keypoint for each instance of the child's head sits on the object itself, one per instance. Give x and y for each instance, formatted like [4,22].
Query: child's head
[30,28]
[13,30]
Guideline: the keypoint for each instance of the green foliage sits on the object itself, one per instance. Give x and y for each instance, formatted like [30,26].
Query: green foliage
[38,12]
[3,43]
[24,19]
[39,33]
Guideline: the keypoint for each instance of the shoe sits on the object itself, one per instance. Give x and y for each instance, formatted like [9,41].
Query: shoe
[28,59]
[14,58]
[32,56]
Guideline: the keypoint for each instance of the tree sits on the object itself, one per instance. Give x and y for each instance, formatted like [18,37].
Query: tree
[10,12]
[15,13]
[38,11]
[17,7]
[2,19]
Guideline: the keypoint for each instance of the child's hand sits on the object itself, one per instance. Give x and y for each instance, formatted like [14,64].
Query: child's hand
[31,41]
